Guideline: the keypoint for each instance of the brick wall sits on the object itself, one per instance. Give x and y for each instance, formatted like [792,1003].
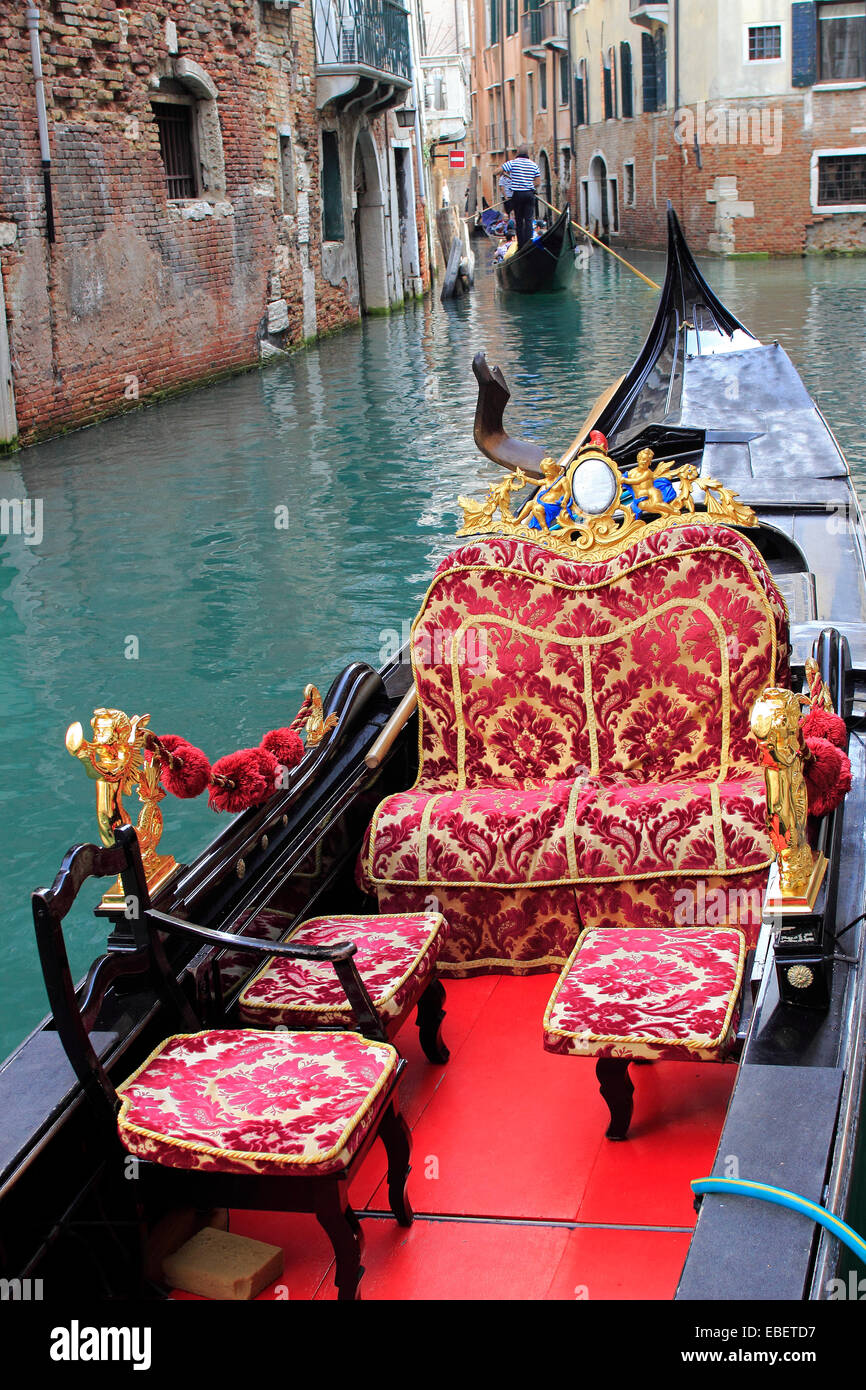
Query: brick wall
[741,199]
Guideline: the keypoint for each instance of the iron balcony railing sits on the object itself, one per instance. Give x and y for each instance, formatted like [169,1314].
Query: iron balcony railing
[502,135]
[363,33]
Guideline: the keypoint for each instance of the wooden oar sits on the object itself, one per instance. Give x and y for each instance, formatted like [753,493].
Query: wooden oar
[589,423]
[647,281]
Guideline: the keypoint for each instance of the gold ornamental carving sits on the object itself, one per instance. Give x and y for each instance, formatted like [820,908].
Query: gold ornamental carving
[775,722]
[588,509]
[120,758]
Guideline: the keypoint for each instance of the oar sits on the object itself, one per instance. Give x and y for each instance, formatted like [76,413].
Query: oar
[583,433]
[647,281]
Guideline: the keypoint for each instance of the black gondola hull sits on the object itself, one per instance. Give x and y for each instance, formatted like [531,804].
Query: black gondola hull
[544,265]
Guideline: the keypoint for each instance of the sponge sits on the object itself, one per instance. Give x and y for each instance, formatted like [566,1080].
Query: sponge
[218,1264]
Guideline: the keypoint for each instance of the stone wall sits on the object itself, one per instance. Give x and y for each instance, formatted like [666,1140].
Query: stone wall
[140,295]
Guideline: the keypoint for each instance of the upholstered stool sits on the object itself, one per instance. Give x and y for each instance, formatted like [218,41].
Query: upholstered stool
[396,960]
[627,994]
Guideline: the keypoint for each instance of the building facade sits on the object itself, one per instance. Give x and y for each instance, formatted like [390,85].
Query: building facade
[188,188]
[522,92]
[749,115]
[446,75]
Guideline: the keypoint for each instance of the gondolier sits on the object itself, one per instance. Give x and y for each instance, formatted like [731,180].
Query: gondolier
[524,176]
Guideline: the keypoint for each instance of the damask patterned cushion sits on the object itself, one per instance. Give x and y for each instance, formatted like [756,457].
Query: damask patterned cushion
[396,958]
[579,830]
[668,994]
[248,1102]
[528,664]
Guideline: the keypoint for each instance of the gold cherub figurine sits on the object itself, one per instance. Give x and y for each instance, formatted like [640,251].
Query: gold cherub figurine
[775,722]
[642,479]
[555,491]
[118,759]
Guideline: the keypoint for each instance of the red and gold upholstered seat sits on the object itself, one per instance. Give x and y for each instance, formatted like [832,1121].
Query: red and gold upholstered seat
[649,994]
[248,1102]
[396,959]
[585,750]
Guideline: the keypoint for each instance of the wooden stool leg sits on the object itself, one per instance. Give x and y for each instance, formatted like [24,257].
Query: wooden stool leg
[431,1011]
[394,1133]
[343,1229]
[616,1086]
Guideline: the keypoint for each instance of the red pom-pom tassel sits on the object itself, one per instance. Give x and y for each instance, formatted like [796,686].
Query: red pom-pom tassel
[598,439]
[286,745]
[191,771]
[822,723]
[242,779]
[828,776]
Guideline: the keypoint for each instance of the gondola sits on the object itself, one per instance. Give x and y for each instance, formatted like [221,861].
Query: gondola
[544,265]
[718,408]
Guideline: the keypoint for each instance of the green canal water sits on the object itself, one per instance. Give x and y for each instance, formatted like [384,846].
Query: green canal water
[160,526]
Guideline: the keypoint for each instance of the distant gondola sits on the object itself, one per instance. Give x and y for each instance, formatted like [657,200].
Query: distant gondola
[543,265]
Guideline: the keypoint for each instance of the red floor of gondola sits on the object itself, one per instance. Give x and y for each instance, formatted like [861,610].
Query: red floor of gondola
[517,1193]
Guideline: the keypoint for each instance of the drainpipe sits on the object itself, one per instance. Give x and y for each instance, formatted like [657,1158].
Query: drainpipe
[45,149]
[677,88]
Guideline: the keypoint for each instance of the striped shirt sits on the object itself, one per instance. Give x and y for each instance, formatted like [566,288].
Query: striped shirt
[521,174]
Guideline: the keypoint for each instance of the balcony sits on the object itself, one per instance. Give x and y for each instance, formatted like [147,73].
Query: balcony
[499,137]
[362,53]
[531,34]
[646,15]
[544,28]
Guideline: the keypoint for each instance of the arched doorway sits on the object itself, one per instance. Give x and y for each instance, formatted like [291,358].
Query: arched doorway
[369,226]
[546,189]
[599,212]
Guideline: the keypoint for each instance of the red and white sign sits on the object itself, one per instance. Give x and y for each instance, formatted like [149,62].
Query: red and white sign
[457,159]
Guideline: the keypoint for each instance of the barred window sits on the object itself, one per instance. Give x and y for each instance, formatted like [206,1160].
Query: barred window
[174,123]
[765,42]
[842,179]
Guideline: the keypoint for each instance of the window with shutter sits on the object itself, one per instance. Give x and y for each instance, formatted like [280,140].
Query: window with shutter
[648,61]
[607,90]
[332,188]
[625,79]
[804,43]
[579,107]
[661,50]
[842,42]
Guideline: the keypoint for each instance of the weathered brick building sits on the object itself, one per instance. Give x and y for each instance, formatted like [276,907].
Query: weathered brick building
[750,115]
[227,179]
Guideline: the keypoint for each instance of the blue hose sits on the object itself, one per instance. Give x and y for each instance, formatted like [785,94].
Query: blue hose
[781,1198]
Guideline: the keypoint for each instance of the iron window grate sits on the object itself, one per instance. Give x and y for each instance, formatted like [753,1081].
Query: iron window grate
[174,123]
[841,179]
[765,42]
